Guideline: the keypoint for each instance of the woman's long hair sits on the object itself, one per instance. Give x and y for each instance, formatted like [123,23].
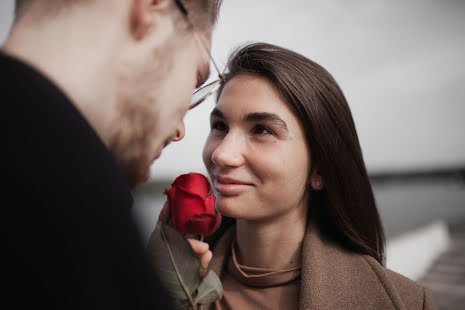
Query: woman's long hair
[345,210]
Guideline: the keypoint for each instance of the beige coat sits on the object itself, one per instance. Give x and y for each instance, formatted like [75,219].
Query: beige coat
[334,278]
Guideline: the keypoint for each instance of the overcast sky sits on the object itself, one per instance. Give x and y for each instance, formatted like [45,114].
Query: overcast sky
[400,64]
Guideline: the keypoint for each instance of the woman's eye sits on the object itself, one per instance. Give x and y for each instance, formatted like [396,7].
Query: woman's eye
[262,130]
[221,126]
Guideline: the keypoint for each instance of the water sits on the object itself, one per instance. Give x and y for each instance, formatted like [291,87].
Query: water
[403,205]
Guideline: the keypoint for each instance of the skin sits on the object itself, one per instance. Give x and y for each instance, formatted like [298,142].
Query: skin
[130,68]
[259,162]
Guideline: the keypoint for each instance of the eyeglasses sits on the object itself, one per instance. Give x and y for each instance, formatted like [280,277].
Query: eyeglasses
[202,93]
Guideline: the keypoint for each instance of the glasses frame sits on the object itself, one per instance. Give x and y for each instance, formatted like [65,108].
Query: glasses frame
[220,80]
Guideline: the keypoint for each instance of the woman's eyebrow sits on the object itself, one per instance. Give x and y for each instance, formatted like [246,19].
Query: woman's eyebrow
[216,112]
[265,117]
[255,117]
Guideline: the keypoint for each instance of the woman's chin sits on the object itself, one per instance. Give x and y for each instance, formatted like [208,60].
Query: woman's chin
[226,208]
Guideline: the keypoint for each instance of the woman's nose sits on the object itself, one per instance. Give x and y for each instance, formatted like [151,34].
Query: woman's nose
[180,131]
[228,153]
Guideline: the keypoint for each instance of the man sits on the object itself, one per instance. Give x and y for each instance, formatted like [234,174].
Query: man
[91,92]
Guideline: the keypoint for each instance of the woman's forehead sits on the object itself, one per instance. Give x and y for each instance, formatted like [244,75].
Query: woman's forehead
[246,94]
[250,93]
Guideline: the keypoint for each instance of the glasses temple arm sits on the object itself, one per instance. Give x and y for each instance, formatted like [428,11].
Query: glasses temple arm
[186,13]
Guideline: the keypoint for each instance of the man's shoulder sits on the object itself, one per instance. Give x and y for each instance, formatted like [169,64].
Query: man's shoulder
[19,77]
[28,99]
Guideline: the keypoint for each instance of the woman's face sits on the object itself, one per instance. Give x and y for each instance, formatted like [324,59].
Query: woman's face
[256,154]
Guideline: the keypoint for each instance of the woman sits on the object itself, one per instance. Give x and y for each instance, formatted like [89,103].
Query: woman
[301,228]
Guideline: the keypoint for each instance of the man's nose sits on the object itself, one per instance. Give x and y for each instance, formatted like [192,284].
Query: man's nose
[180,131]
[228,153]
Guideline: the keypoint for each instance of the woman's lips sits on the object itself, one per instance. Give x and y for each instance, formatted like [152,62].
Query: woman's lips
[228,186]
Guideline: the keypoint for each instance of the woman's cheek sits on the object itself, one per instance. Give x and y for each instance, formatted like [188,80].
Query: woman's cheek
[208,150]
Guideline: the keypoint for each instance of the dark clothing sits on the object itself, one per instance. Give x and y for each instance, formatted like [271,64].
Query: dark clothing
[70,240]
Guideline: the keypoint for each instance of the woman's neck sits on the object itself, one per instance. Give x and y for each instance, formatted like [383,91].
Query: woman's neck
[274,243]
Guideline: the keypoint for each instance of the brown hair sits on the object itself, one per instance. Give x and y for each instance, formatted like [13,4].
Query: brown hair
[345,210]
[202,12]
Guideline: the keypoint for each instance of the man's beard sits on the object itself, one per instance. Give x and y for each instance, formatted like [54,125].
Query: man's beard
[136,173]
[135,126]
[135,165]
[131,141]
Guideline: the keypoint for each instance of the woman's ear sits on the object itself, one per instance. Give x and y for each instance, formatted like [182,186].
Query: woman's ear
[317,181]
[141,18]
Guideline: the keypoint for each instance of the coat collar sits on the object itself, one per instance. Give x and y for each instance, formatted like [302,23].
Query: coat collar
[332,277]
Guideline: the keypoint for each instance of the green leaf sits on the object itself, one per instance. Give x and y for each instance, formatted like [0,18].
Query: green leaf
[210,289]
[175,262]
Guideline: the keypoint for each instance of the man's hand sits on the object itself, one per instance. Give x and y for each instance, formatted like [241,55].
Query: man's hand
[200,248]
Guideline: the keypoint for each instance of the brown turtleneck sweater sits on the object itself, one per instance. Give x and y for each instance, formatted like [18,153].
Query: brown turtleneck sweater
[258,288]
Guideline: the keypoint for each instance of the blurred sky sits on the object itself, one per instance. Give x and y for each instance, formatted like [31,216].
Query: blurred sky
[400,64]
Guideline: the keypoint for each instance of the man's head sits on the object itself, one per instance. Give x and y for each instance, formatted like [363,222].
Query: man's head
[203,13]
[159,60]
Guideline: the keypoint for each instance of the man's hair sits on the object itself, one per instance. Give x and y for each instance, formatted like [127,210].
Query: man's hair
[201,11]
[46,7]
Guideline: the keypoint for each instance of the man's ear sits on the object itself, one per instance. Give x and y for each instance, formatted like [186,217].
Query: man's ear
[142,15]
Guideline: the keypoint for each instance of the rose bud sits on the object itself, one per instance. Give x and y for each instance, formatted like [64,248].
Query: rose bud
[192,208]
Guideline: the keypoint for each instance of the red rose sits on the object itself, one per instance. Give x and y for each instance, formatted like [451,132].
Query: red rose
[192,208]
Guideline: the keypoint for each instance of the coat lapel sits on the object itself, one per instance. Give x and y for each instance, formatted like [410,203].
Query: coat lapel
[334,278]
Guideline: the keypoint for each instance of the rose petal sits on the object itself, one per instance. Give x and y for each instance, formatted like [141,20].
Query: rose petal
[193,183]
[192,209]
[210,204]
[184,206]
[218,218]
[202,224]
